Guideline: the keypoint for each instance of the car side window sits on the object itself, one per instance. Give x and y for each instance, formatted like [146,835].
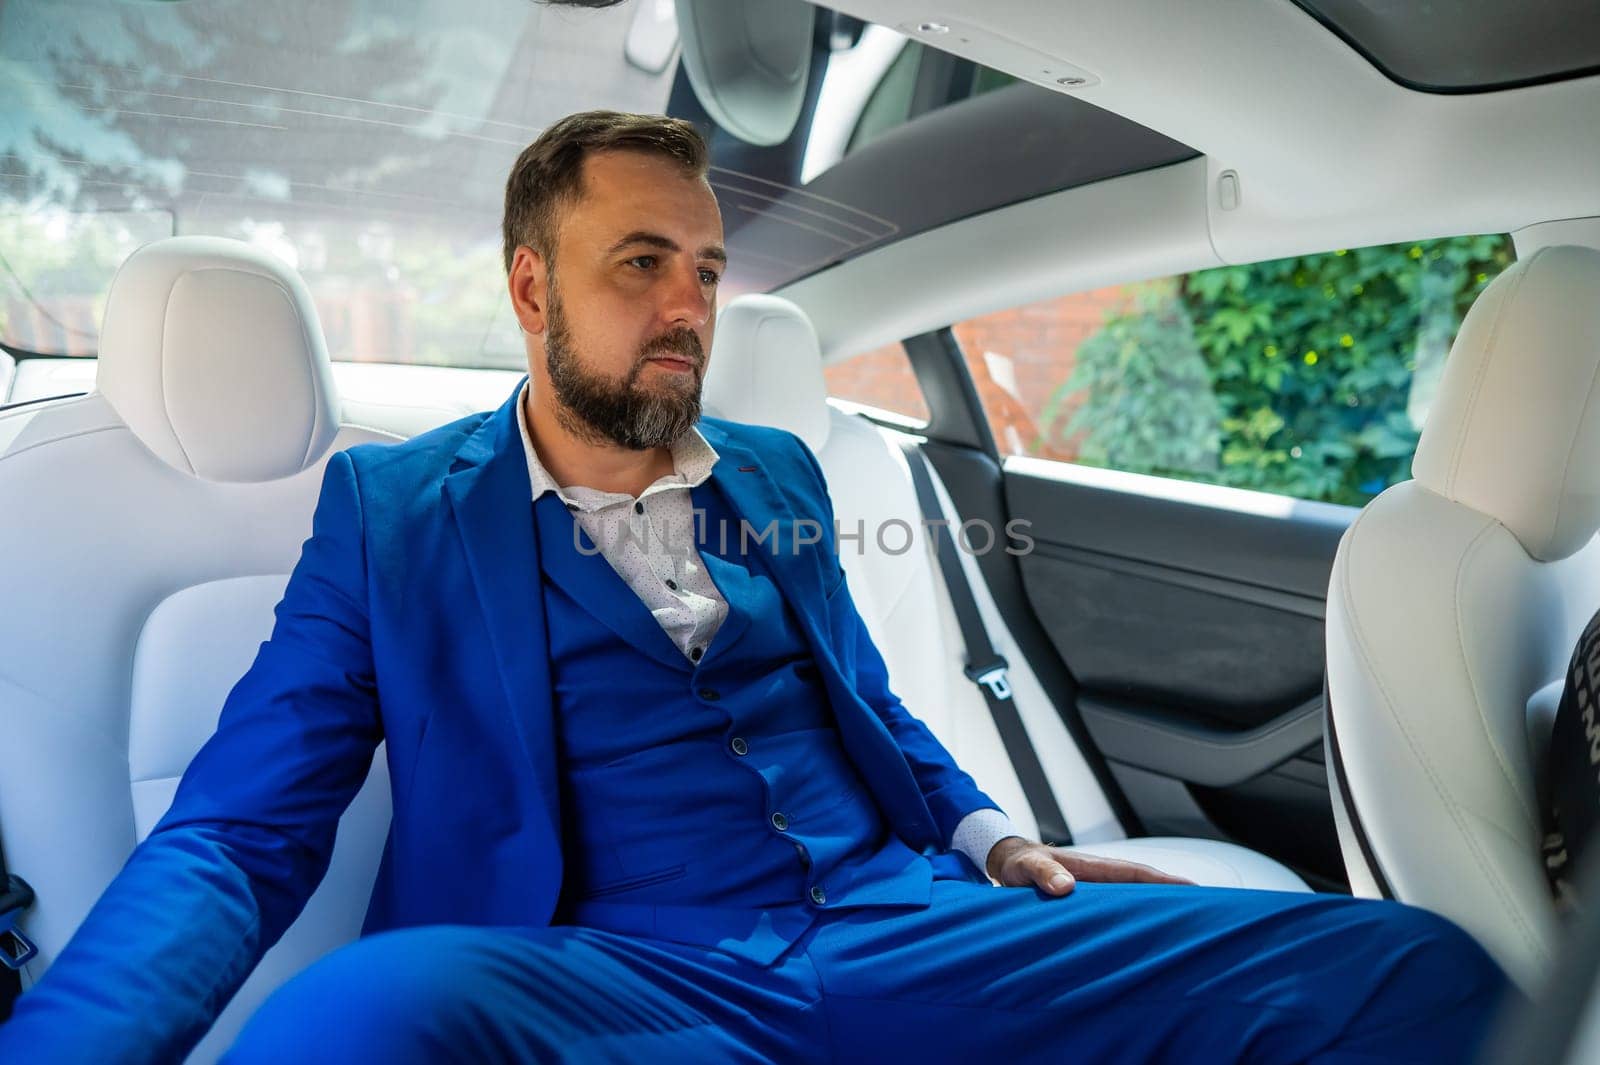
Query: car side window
[881,379]
[1308,377]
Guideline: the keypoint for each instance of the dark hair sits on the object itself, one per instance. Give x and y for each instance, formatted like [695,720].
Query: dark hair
[549,172]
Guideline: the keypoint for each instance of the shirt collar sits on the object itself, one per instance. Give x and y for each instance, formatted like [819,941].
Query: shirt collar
[692,460]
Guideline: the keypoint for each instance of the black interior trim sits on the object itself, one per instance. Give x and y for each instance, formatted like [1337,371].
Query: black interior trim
[1257,595]
[1343,17]
[42,399]
[1367,854]
[1179,747]
[1291,552]
[955,413]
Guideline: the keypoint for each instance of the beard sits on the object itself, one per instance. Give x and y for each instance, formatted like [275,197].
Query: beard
[626,413]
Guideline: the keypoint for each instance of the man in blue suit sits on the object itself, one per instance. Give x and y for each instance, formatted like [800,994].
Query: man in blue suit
[653,797]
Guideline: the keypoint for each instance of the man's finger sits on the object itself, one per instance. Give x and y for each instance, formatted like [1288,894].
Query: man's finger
[1048,873]
[1113,870]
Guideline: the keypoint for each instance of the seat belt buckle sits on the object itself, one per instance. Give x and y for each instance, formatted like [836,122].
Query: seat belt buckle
[991,675]
[16,949]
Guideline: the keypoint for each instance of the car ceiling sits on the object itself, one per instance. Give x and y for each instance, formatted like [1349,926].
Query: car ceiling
[1328,151]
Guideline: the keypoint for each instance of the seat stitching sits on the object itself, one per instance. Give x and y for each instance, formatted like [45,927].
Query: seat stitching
[155,780]
[319,407]
[1482,372]
[1472,680]
[70,714]
[1566,469]
[166,311]
[1484,866]
[396,437]
[59,439]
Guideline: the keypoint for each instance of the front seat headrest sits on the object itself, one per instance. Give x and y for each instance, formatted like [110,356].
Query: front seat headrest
[766,369]
[212,353]
[1514,432]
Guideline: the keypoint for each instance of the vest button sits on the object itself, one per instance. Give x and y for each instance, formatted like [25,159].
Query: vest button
[739,746]
[780,822]
[710,695]
[818,896]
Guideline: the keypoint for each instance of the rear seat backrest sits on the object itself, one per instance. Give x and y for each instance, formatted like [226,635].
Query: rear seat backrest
[152,526]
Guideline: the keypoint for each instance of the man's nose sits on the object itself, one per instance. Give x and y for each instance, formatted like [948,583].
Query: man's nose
[688,300]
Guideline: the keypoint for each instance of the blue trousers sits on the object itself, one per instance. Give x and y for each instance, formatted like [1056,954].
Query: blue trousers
[1109,973]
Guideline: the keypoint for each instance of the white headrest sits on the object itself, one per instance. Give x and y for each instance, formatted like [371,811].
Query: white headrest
[212,353]
[766,369]
[1515,430]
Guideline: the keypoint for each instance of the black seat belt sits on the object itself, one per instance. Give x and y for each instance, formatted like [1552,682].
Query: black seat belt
[984,667]
[15,949]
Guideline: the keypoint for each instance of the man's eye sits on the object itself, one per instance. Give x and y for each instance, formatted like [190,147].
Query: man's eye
[644,262]
[709,277]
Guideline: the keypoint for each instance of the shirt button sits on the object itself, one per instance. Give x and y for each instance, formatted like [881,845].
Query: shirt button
[572,506]
[780,822]
[672,584]
[695,653]
[710,695]
[638,507]
[739,746]
[818,896]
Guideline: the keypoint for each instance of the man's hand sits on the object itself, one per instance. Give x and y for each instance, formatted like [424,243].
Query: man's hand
[1018,862]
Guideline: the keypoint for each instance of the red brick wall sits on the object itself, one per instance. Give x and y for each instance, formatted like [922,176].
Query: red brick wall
[1039,339]
[879,378]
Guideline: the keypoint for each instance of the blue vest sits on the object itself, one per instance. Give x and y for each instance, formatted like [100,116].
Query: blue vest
[708,802]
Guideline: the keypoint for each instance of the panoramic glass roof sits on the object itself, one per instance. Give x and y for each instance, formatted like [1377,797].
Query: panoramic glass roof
[1458,46]
[367,143]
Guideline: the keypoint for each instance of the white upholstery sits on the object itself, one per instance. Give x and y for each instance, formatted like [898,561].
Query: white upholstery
[1205,861]
[212,354]
[35,379]
[766,368]
[1455,603]
[137,592]
[1512,433]
[760,378]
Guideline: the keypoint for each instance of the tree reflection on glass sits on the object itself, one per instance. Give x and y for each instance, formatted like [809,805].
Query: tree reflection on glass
[366,143]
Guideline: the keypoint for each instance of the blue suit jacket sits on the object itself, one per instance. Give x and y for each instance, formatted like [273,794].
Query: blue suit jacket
[415,616]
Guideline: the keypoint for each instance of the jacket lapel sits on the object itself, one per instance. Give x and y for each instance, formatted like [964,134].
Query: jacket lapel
[595,585]
[755,497]
[491,497]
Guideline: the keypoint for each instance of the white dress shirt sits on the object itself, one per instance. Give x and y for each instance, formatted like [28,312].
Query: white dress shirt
[649,541]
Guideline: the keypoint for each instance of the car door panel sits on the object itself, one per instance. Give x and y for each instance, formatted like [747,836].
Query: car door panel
[1191,619]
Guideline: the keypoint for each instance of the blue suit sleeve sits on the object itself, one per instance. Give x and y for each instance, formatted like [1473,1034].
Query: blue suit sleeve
[949,791]
[249,834]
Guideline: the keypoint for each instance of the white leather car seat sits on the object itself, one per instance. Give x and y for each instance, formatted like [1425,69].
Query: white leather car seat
[149,529]
[766,369]
[1455,602]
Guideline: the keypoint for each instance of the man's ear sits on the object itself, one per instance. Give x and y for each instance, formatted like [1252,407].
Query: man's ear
[528,284]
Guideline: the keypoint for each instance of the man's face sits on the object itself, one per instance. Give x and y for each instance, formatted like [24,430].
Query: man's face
[630,301]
